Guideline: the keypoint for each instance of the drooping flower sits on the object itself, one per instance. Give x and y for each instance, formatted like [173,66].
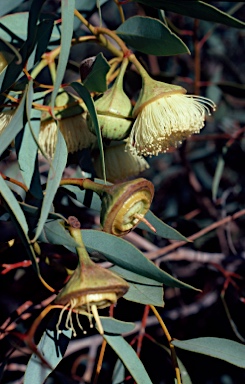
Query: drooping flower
[165,116]
[5,117]
[120,164]
[91,287]
[73,128]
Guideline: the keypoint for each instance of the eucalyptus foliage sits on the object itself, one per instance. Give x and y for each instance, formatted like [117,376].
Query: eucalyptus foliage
[37,63]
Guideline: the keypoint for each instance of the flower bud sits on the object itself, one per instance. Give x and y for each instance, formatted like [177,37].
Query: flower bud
[113,111]
[72,124]
[91,287]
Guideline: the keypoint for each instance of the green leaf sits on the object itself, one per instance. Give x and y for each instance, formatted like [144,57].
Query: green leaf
[14,127]
[118,374]
[162,229]
[79,195]
[19,21]
[50,348]
[227,350]
[129,359]
[150,36]
[111,325]
[145,294]
[54,176]
[125,255]
[8,6]
[96,80]
[85,95]
[18,218]
[54,232]
[196,9]
[141,289]
[67,14]
[27,151]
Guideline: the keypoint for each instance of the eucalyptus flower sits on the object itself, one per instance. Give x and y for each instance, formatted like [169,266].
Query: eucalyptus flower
[73,128]
[5,117]
[165,116]
[120,164]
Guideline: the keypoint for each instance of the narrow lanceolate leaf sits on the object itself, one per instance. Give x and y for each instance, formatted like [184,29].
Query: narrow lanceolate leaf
[118,374]
[18,218]
[114,326]
[96,80]
[162,229]
[125,255]
[85,95]
[67,14]
[196,9]
[52,350]
[27,151]
[227,350]
[14,127]
[55,174]
[54,232]
[129,358]
[150,36]
[141,289]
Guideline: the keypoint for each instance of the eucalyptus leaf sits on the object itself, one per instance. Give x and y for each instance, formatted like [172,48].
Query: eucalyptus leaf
[54,232]
[27,151]
[96,79]
[129,358]
[162,229]
[145,294]
[85,95]
[54,176]
[67,14]
[150,36]
[196,9]
[117,327]
[14,127]
[141,289]
[51,349]
[125,255]
[18,218]
[80,195]
[119,372]
[8,6]
[224,349]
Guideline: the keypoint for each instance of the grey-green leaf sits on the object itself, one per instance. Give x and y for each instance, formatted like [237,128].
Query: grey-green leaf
[224,349]
[196,9]
[150,36]
[54,232]
[111,325]
[54,177]
[14,127]
[36,372]
[141,289]
[162,229]
[96,80]
[129,359]
[125,255]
